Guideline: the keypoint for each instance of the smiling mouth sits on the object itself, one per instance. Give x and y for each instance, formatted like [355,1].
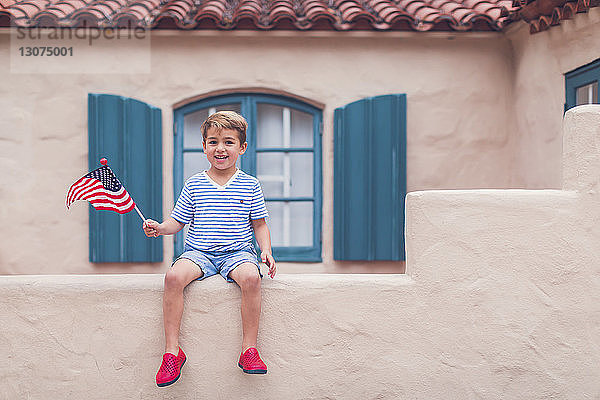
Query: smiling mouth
[220,157]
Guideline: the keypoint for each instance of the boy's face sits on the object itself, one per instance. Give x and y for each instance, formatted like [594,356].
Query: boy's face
[222,148]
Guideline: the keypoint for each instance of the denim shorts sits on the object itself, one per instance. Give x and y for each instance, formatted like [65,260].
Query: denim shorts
[220,262]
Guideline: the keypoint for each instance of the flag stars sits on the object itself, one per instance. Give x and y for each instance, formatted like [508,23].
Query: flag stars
[106,177]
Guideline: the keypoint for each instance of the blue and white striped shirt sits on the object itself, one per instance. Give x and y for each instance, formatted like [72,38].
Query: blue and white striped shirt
[220,215]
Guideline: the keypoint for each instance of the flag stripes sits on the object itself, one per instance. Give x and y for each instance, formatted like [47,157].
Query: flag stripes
[103,190]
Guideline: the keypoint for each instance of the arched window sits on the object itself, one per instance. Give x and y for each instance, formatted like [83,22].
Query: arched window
[284,153]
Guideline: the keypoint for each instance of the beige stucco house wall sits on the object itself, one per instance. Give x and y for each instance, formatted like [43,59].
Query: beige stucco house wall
[475,118]
[456,121]
[540,62]
[500,301]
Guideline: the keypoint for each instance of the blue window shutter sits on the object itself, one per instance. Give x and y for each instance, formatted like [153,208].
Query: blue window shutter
[370,179]
[128,133]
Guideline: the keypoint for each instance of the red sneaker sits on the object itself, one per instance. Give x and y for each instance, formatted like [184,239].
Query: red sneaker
[251,363]
[170,369]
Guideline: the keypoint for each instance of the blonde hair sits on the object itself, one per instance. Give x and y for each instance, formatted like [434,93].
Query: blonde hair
[225,120]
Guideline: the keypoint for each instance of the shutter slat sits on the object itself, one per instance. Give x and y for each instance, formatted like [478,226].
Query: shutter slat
[370,179]
[128,133]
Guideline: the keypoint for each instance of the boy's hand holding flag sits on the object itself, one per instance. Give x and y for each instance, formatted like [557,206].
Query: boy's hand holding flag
[151,228]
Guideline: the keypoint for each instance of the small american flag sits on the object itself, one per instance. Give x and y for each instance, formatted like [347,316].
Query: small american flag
[101,188]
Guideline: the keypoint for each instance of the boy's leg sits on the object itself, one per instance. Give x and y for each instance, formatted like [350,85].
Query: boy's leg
[247,277]
[177,278]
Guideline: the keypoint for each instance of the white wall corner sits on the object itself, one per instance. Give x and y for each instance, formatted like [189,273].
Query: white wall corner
[514,274]
[581,149]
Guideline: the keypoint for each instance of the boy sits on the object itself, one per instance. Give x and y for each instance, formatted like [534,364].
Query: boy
[224,205]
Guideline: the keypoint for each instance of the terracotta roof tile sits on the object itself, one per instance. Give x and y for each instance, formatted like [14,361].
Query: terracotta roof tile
[419,15]
[139,10]
[58,11]
[448,7]
[462,14]
[541,14]
[184,7]
[315,10]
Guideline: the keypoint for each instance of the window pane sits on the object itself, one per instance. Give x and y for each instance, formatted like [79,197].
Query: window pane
[301,180]
[193,163]
[587,94]
[291,223]
[283,127]
[193,121]
[302,223]
[275,222]
[302,129]
[269,123]
[269,164]
[285,174]
[271,188]
[269,170]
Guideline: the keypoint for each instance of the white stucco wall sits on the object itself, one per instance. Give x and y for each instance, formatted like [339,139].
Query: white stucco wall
[500,301]
[540,62]
[457,131]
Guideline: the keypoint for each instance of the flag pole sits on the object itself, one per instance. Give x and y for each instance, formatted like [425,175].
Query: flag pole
[104,161]
[140,214]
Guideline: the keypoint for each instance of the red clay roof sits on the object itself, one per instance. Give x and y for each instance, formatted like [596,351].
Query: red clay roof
[541,14]
[341,15]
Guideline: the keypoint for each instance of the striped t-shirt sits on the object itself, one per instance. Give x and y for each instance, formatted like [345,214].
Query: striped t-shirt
[220,215]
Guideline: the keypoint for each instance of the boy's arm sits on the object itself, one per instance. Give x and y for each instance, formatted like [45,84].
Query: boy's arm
[263,237]
[168,227]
